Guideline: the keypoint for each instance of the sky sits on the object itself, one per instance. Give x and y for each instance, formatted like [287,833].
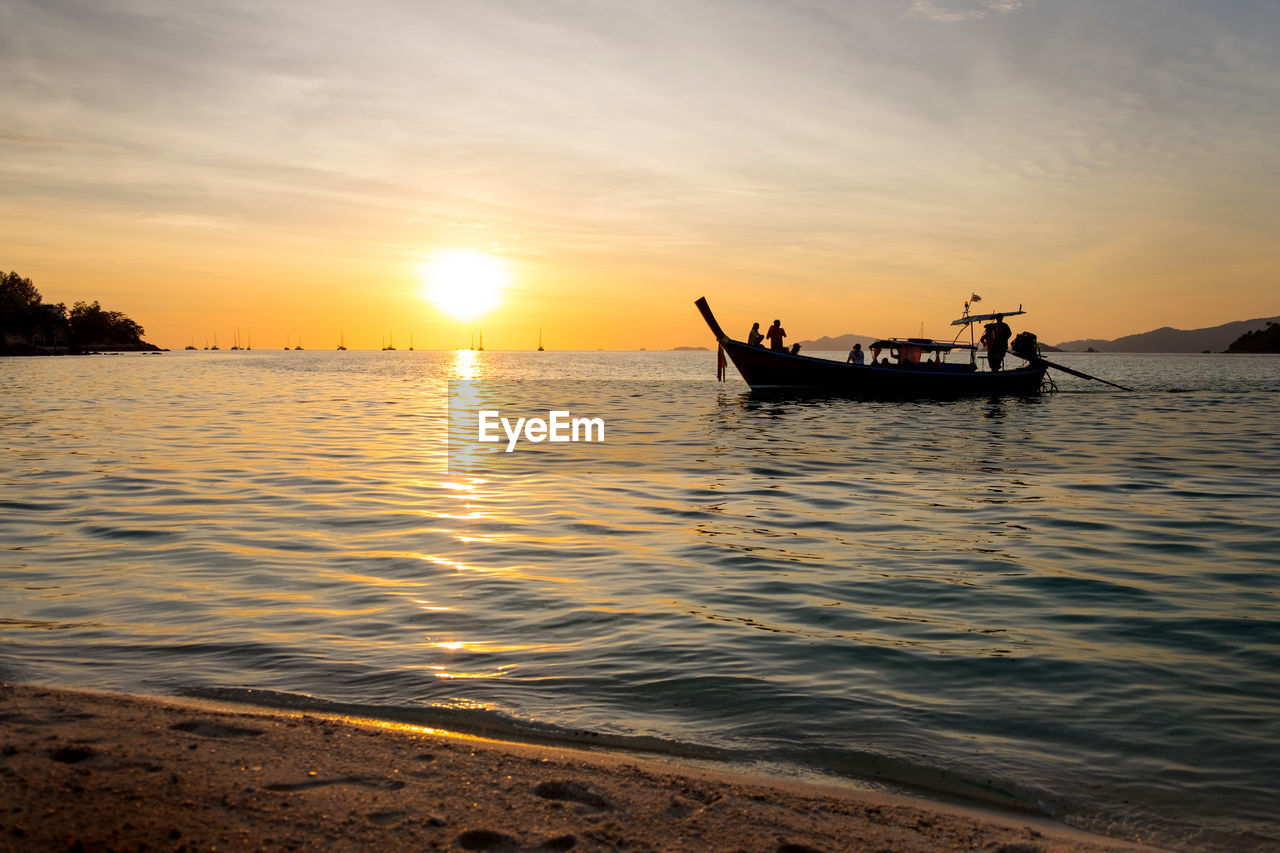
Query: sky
[288,170]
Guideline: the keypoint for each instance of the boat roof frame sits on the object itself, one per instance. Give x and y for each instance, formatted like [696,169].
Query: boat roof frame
[982,318]
[924,344]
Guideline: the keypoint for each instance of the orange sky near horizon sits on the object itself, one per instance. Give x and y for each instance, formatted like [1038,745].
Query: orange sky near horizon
[847,168]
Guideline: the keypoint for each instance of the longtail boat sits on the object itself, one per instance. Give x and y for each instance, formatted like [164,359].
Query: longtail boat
[910,367]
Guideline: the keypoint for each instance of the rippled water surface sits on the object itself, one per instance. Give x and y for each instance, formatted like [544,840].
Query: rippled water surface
[1067,602]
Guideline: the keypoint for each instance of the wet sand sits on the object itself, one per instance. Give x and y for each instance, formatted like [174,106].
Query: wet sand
[92,772]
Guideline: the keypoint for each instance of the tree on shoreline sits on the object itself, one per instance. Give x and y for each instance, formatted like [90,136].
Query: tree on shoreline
[29,326]
[1259,340]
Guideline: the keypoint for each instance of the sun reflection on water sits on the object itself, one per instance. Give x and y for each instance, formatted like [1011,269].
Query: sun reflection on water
[467,365]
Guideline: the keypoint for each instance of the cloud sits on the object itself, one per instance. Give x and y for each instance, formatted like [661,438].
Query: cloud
[938,13]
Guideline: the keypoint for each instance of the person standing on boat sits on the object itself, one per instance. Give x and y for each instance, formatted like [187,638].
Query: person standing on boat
[856,356]
[775,334]
[754,337]
[995,336]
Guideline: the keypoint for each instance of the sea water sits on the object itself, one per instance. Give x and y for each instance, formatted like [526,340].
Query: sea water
[1065,602]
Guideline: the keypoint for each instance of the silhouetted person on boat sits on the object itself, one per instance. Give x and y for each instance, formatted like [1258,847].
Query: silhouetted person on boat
[995,337]
[754,337]
[795,349]
[775,334]
[856,356]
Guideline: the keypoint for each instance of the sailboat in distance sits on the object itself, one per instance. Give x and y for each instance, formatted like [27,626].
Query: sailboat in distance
[540,340]
[342,344]
[481,346]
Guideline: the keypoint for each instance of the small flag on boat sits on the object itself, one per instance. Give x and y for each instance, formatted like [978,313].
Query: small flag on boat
[975,298]
[720,363]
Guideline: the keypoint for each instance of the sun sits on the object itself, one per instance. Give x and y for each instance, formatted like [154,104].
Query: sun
[463,283]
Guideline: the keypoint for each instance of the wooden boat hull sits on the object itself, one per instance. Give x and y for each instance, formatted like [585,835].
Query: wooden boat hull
[765,369]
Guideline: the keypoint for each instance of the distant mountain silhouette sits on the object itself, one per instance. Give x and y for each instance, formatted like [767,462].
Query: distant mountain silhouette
[844,343]
[1166,339]
[840,343]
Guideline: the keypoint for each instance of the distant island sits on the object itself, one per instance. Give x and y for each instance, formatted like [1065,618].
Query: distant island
[689,349]
[1166,339]
[1259,340]
[840,343]
[1239,336]
[844,343]
[29,326]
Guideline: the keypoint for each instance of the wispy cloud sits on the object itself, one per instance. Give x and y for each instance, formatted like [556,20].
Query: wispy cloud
[807,139]
[962,11]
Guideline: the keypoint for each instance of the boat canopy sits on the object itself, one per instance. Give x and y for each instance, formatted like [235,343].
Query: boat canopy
[923,344]
[983,318]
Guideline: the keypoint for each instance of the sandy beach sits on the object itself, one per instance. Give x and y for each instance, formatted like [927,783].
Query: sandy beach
[89,771]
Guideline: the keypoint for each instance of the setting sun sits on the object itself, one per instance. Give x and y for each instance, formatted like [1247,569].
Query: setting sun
[463,283]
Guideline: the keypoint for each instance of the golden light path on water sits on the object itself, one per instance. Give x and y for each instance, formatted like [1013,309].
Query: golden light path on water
[477,501]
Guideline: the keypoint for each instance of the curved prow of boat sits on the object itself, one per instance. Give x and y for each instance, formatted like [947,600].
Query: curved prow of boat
[703,307]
